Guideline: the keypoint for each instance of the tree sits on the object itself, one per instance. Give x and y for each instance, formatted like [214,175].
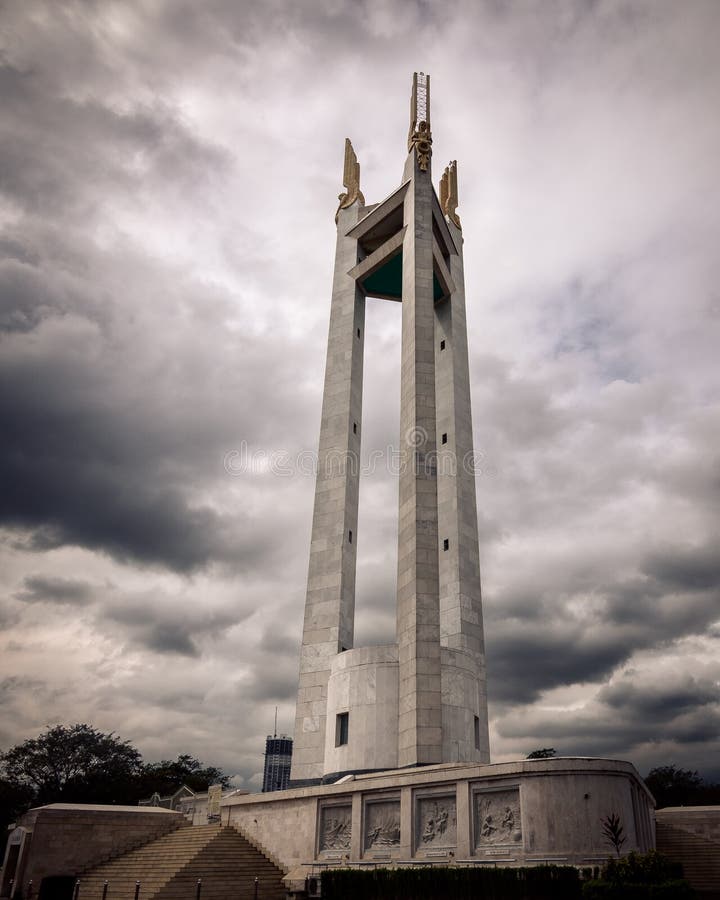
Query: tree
[545,753]
[74,764]
[79,764]
[674,787]
[167,776]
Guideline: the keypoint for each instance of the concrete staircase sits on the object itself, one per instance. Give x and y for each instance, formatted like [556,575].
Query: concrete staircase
[169,868]
[699,856]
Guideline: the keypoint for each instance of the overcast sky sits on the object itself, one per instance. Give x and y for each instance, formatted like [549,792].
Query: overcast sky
[169,173]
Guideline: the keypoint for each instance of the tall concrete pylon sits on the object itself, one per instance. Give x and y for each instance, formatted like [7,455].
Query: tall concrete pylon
[421,700]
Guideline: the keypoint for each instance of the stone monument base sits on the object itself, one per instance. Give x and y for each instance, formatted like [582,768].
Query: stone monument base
[530,812]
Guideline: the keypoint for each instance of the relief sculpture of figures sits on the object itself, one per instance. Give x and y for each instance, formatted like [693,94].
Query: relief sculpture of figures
[383,824]
[438,824]
[384,835]
[498,818]
[336,831]
[351,180]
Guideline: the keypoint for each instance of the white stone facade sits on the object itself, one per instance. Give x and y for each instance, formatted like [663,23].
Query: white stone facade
[528,812]
[422,701]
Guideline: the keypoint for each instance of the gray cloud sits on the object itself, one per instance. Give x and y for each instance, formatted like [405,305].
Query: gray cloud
[169,176]
[660,703]
[63,591]
[687,568]
[640,715]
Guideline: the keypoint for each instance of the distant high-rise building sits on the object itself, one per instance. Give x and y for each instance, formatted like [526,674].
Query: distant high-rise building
[278,756]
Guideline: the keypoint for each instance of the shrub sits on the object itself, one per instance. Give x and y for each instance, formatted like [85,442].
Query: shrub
[638,876]
[673,889]
[532,883]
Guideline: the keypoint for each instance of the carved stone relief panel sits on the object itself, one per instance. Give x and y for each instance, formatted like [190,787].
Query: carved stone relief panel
[436,822]
[497,818]
[382,824]
[335,827]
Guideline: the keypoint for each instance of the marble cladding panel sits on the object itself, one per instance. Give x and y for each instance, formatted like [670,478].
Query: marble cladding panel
[435,822]
[382,825]
[496,819]
[335,828]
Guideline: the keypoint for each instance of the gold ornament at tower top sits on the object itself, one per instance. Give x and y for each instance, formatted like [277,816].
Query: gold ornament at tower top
[351,180]
[449,193]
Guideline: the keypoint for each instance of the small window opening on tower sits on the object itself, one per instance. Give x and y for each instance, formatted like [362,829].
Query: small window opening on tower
[442,344]
[350,537]
[341,729]
[444,437]
[446,544]
[477,732]
[358,332]
[354,427]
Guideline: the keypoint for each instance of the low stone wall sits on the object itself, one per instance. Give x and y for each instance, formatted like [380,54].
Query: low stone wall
[520,813]
[66,838]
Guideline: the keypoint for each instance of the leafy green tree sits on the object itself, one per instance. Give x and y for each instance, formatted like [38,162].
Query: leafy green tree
[72,764]
[674,787]
[545,753]
[167,776]
[79,764]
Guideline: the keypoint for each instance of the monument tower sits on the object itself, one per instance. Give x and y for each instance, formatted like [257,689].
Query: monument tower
[421,700]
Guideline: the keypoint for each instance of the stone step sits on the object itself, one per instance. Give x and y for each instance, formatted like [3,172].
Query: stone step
[699,857]
[168,868]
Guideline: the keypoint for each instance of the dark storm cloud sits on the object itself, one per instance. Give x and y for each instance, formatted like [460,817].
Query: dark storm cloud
[602,734]
[579,628]
[105,507]
[82,462]
[75,463]
[63,591]
[169,172]
[100,451]
[659,702]
[21,306]
[630,714]
[523,662]
[687,568]
[166,624]
[57,161]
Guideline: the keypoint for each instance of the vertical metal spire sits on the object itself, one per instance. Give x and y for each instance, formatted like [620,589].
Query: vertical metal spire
[419,135]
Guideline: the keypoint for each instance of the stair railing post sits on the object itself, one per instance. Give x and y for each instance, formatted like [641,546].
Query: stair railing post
[137,889]
[76,889]
[256,887]
[30,889]
[105,887]
[198,888]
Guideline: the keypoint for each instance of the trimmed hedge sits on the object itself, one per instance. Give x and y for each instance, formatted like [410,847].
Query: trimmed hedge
[676,889]
[532,883]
